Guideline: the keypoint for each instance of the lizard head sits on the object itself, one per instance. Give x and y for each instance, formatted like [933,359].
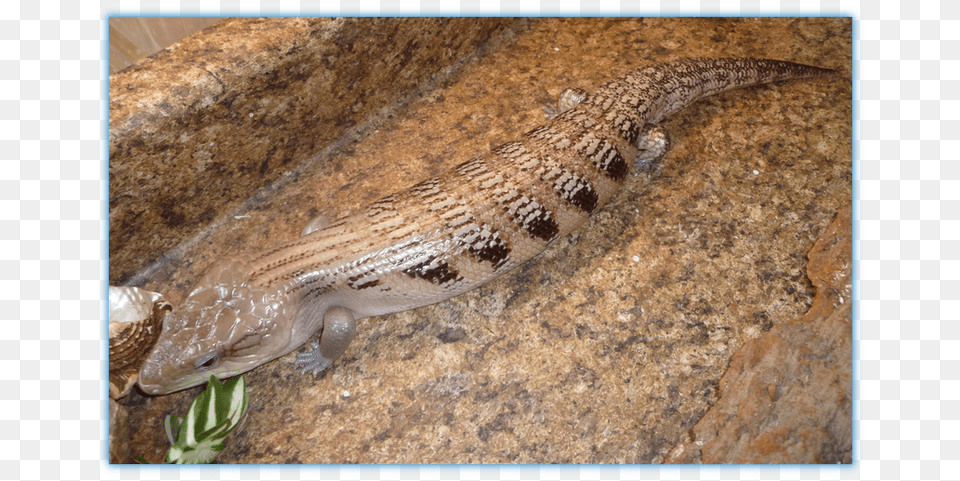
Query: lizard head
[225,327]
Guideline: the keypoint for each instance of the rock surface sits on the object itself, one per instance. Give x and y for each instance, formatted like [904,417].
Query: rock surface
[787,397]
[608,348]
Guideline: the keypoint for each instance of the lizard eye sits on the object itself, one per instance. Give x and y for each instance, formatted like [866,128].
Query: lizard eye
[207,361]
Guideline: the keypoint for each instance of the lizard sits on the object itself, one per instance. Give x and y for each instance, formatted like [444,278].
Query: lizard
[440,237]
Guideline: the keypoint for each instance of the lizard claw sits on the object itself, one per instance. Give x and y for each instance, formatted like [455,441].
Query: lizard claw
[312,360]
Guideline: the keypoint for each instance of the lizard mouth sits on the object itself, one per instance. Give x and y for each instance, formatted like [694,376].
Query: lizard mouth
[159,378]
[158,385]
[153,389]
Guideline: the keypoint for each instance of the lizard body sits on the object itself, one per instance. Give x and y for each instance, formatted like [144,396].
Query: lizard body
[440,237]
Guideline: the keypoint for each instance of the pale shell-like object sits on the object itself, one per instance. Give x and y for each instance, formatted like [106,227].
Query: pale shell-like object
[136,319]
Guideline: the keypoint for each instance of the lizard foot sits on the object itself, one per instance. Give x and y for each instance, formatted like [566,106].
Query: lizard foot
[653,144]
[312,361]
[569,99]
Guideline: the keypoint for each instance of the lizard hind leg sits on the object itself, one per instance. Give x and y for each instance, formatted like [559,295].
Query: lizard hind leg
[653,144]
[315,224]
[339,328]
[569,99]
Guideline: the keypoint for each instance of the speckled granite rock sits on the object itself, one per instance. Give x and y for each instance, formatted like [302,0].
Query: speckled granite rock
[609,347]
[787,397]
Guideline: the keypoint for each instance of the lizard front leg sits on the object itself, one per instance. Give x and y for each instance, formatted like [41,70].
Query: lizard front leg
[339,328]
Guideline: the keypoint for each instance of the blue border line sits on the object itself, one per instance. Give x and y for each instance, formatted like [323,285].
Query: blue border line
[494,471]
[855,250]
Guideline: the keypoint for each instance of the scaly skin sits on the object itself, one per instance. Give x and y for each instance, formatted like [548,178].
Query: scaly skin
[439,238]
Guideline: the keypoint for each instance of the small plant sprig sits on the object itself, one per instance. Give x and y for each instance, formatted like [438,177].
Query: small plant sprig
[199,437]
